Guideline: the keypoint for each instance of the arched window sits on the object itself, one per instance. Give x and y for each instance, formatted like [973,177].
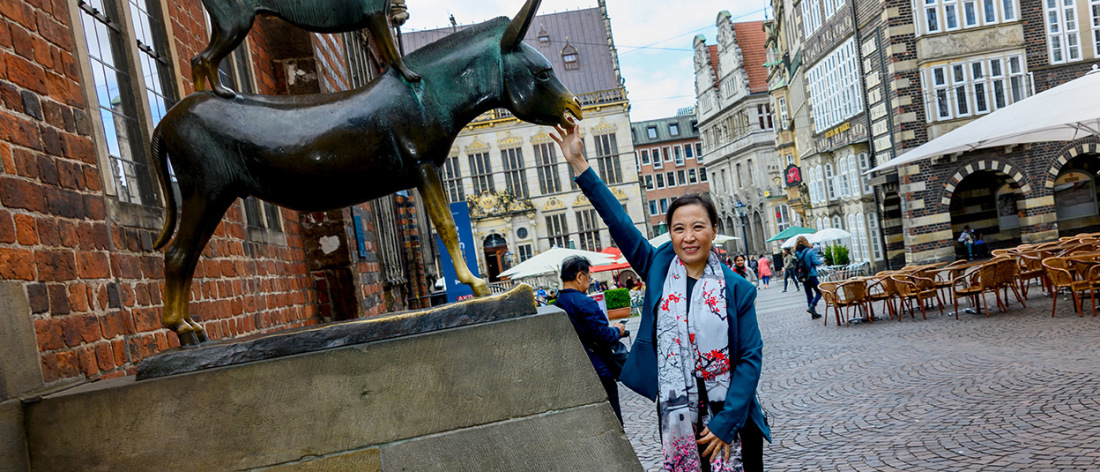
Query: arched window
[861,234]
[873,233]
[830,181]
[569,57]
[853,175]
[864,166]
[853,249]
[544,38]
[838,222]
[845,187]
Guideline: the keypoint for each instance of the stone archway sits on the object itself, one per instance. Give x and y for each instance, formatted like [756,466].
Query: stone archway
[989,202]
[757,233]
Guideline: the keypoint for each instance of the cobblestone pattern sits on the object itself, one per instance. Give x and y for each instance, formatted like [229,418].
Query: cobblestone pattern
[1013,392]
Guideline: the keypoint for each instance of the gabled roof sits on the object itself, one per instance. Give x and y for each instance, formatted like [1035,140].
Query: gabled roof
[583,30]
[751,38]
[713,50]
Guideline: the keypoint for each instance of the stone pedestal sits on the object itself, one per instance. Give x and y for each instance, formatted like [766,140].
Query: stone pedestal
[517,393]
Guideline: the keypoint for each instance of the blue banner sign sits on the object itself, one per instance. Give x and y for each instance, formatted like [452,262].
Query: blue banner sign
[456,290]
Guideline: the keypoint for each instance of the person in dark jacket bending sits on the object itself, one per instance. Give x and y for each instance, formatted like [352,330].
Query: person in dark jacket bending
[589,321]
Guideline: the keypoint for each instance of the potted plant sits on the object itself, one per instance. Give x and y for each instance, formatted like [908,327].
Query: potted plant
[618,303]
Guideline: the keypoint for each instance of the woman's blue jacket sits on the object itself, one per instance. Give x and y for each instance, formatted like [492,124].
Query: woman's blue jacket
[652,264]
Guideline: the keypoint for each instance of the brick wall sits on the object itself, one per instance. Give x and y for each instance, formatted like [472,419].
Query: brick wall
[93,282]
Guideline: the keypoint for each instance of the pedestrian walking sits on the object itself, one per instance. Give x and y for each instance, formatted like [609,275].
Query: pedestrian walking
[807,261]
[703,372]
[765,270]
[788,269]
[591,325]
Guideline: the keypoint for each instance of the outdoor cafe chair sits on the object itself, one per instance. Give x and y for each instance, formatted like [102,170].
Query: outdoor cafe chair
[1031,268]
[913,288]
[945,276]
[974,284]
[881,288]
[1061,278]
[1007,278]
[853,294]
[828,294]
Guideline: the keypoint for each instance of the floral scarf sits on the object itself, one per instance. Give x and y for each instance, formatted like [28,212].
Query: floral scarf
[692,343]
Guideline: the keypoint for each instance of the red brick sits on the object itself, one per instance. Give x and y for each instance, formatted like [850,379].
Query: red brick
[119,347]
[26,74]
[91,180]
[78,298]
[19,131]
[116,323]
[90,331]
[48,332]
[142,346]
[88,363]
[25,230]
[5,37]
[68,364]
[47,170]
[55,265]
[162,341]
[70,175]
[17,264]
[54,32]
[18,12]
[102,236]
[49,368]
[67,231]
[7,164]
[22,42]
[146,319]
[85,237]
[26,165]
[16,193]
[94,208]
[125,266]
[104,356]
[63,89]
[8,229]
[93,265]
[48,232]
[80,148]
[44,53]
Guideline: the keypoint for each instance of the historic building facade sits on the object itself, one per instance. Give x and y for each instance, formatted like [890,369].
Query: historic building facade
[521,193]
[82,86]
[783,44]
[736,124]
[669,157]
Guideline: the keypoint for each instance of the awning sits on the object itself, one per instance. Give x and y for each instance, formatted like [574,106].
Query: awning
[1064,113]
[790,233]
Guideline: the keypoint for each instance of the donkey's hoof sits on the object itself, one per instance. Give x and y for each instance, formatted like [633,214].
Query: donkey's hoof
[480,288]
[189,338]
[223,91]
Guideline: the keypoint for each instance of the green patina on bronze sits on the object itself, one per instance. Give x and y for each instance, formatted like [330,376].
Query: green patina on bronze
[328,151]
[231,20]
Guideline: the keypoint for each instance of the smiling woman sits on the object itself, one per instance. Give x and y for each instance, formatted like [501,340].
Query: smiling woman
[698,350]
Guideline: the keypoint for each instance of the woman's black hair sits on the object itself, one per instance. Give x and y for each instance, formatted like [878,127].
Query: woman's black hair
[692,199]
[573,266]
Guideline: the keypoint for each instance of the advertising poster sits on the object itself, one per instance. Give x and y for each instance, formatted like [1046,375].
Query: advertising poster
[456,290]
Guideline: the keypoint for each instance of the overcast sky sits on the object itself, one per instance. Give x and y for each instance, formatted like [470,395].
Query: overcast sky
[653,38]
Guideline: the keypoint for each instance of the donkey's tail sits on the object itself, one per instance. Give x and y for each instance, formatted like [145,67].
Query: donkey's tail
[160,163]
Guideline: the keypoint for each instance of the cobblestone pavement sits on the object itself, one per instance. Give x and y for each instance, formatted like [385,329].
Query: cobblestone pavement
[1018,391]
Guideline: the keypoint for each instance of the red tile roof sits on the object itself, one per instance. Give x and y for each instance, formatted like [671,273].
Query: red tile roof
[714,62]
[751,38]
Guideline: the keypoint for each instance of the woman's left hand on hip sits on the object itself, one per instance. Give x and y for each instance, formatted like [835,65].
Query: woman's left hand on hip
[714,445]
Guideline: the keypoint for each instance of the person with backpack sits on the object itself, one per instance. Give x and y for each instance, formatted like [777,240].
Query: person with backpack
[807,260]
[788,269]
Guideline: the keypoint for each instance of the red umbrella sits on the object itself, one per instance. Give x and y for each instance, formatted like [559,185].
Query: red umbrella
[619,264]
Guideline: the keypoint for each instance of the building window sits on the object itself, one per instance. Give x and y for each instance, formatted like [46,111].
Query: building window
[120,97]
[664,206]
[674,129]
[652,208]
[781,104]
[830,181]
[261,214]
[835,90]
[764,116]
[844,185]
[977,87]
[481,172]
[678,152]
[740,182]
[1094,8]
[546,160]
[569,57]
[692,177]
[644,156]
[649,182]
[660,180]
[950,15]
[544,38]
[587,230]
[452,180]
[515,176]
[811,16]
[681,177]
[670,179]
[699,151]
[607,159]
[524,252]
[557,230]
[703,174]
[665,153]
[688,151]
[782,217]
[876,237]
[656,153]
[1062,31]
[838,222]
[651,132]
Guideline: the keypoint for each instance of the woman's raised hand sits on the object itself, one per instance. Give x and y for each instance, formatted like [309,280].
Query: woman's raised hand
[572,147]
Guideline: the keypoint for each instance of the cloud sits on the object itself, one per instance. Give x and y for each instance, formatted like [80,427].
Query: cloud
[653,37]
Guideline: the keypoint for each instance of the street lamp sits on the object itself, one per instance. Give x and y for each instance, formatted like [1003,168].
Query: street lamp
[740,209]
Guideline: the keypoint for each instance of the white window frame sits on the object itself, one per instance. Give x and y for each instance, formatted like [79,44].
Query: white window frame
[959,74]
[845,185]
[854,176]
[830,182]
[1094,10]
[1063,31]
[876,238]
[951,11]
[999,80]
[655,154]
[836,89]
[864,166]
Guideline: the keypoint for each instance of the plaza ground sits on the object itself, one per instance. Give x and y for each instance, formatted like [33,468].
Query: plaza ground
[1018,391]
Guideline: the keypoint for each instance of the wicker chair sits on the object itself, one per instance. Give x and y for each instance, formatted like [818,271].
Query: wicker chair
[945,277]
[913,288]
[1060,277]
[828,293]
[1031,268]
[1008,278]
[881,288]
[974,285]
[851,294]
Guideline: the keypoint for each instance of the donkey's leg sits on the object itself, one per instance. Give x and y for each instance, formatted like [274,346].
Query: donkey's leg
[224,38]
[380,31]
[436,202]
[200,218]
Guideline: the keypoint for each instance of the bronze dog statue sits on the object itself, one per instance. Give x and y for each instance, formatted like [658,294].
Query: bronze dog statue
[232,19]
[321,152]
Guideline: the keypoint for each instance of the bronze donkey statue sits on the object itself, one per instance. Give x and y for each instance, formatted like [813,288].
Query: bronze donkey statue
[232,19]
[322,152]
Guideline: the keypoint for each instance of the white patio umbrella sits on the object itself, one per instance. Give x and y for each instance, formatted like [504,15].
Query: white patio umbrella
[1064,113]
[550,261]
[810,238]
[658,240]
[830,234]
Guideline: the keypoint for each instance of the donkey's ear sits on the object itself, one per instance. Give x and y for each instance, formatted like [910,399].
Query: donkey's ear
[517,29]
